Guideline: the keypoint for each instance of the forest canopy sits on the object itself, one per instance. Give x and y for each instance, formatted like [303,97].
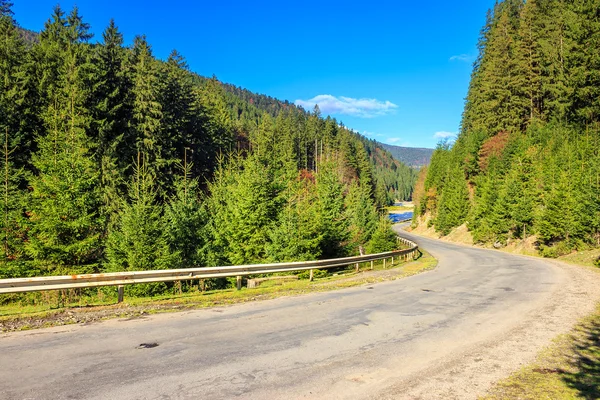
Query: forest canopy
[526,163]
[113,160]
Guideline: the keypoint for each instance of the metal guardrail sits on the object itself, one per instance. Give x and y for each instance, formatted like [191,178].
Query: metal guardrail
[22,285]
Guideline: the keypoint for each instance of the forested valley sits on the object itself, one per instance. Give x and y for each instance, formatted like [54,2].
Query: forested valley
[113,160]
[526,164]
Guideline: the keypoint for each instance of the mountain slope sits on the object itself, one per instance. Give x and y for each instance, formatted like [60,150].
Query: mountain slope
[526,164]
[411,156]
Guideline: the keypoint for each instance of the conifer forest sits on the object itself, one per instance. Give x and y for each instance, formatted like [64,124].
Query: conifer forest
[114,160]
[526,163]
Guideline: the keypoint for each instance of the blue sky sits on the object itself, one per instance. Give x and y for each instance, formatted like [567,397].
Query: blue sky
[395,71]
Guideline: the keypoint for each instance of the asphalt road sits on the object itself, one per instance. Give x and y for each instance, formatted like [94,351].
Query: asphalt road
[399,339]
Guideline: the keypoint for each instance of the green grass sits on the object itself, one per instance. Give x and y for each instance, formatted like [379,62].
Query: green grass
[393,209]
[568,369]
[586,257]
[47,310]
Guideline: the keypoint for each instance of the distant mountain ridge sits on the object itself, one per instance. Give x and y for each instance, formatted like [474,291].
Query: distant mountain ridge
[30,37]
[411,156]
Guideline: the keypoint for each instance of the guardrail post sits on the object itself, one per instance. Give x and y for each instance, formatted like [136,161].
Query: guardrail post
[311,276]
[392,260]
[384,263]
[371,264]
[120,293]
[356,267]
[238,281]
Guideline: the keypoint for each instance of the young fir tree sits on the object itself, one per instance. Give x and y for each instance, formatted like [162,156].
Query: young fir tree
[297,233]
[454,202]
[331,210]
[139,242]
[242,207]
[383,238]
[360,214]
[479,220]
[14,150]
[557,220]
[185,219]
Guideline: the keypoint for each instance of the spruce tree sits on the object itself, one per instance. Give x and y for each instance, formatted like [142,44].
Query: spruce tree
[241,206]
[139,242]
[383,238]
[360,214]
[111,112]
[331,210]
[145,126]
[185,219]
[65,220]
[297,233]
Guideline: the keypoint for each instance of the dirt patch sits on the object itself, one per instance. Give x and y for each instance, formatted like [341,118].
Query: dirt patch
[459,235]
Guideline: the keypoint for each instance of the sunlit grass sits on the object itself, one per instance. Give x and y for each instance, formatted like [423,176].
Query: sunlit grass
[568,369]
[395,209]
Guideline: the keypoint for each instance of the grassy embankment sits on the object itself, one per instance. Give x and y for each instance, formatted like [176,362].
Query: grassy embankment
[49,312]
[567,369]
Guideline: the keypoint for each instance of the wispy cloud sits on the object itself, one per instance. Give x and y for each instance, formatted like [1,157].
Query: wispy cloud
[463,57]
[372,134]
[365,108]
[444,135]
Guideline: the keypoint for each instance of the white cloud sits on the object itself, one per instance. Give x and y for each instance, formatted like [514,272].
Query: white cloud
[394,140]
[372,134]
[463,58]
[365,108]
[444,135]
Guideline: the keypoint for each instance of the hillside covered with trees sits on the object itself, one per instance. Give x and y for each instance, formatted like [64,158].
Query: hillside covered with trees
[113,160]
[527,160]
[412,156]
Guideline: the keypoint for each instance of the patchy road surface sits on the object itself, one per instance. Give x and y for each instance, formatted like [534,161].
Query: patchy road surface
[448,334]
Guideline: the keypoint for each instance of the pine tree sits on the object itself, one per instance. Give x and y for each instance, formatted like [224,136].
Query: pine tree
[145,126]
[383,238]
[6,9]
[139,242]
[453,205]
[185,220]
[242,207]
[529,54]
[297,234]
[179,125]
[14,150]
[360,214]
[111,112]
[331,210]
[66,225]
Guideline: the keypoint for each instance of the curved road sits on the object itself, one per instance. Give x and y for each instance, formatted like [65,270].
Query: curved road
[447,333]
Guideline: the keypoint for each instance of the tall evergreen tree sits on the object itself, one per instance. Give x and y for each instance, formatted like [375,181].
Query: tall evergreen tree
[66,224]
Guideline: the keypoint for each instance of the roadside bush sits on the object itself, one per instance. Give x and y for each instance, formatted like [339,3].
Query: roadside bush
[383,239]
